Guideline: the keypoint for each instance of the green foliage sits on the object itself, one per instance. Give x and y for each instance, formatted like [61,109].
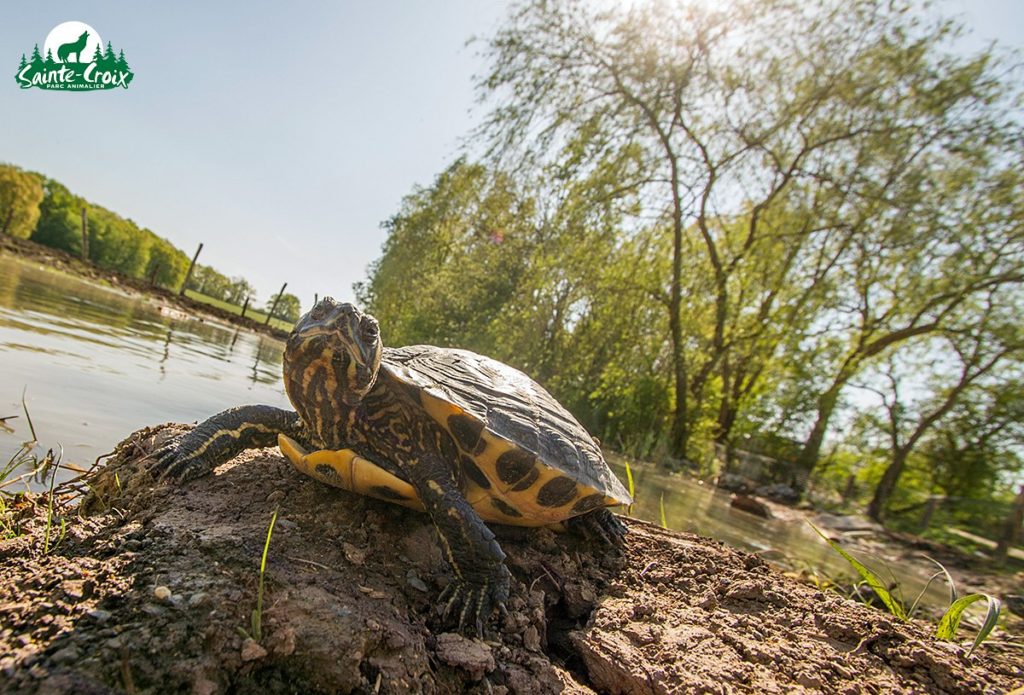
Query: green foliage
[257,614]
[167,265]
[783,194]
[21,192]
[288,308]
[950,621]
[894,605]
[60,219]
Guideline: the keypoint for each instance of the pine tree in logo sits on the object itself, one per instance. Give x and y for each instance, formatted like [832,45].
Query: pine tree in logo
[122,64]
[37,60]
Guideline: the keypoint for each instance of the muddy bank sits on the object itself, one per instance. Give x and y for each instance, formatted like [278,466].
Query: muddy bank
[65,262]
[155,594]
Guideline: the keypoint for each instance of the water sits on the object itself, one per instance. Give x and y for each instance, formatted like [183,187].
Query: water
[97,363]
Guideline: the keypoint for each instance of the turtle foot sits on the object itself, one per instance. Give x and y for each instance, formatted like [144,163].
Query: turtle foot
[601,525]
[468,606]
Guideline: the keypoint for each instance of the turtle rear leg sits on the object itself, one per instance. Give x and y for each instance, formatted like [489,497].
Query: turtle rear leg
[481,579]
[599,524]
[348,470]
[221,437]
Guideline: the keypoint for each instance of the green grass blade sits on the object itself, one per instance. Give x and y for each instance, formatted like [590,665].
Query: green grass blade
[950,622]
[664,522]
[257,614]
[629,481]
[949,580]
[28,417]
[869,577]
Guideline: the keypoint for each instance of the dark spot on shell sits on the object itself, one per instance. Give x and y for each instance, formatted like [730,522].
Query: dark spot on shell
[528,481]
[326,471]
[514,465]
[386,493]
[504,507]
[556,492]
[481,446]
[474,473]
[466,431]
[588,503]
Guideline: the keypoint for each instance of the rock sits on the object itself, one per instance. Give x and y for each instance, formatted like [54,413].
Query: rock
[471,655]
[252,651]
[779,492]
[733,483]
[750,506]
[162,593]
[414,581]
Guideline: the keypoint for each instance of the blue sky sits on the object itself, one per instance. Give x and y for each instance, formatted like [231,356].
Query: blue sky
[280,135]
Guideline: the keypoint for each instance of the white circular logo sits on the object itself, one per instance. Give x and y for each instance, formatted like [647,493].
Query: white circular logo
[72,42]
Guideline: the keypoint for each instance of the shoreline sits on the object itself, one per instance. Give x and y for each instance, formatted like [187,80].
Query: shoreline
[65,262]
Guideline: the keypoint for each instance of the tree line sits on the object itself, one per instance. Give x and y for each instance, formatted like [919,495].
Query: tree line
[43,210]
[796,227]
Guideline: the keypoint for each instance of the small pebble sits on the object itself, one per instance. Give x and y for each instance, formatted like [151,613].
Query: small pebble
[286,524]
[276,496]
[162,593]
[251,650]
[196,599]
[414,581]
[99,615]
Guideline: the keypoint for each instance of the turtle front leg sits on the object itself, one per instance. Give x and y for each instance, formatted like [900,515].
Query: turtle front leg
[481,579]
[221,437]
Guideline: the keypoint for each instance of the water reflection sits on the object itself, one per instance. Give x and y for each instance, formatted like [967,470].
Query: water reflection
[98,362]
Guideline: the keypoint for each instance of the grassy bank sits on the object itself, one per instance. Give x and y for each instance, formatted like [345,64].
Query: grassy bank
[250,313]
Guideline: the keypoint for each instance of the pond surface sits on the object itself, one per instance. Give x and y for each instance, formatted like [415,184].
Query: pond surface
[96,364]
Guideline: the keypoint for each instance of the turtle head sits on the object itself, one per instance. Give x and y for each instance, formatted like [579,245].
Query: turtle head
[333,353]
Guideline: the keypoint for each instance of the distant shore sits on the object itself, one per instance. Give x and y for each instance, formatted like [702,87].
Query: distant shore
[65,262]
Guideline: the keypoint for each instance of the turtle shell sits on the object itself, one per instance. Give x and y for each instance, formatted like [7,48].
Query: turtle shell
[524,459]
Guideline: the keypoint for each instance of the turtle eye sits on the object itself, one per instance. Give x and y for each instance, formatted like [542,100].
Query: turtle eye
[369,330]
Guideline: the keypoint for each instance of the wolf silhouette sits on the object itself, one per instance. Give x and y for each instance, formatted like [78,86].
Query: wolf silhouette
[75,47]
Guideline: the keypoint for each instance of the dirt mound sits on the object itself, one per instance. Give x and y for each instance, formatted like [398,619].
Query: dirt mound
[156,594]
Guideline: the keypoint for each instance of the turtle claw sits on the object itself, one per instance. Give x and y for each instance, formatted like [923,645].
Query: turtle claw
[170,462]
[600,524]
[473,604]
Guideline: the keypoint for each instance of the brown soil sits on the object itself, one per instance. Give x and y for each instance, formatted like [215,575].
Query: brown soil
[154,594]
[65,262]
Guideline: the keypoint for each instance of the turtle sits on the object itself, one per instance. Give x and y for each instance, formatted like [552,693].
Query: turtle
[465,438]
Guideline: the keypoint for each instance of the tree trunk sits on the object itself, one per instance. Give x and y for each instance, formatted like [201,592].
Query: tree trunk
[1011,530]
[7,222]
[886,486]
[808,458]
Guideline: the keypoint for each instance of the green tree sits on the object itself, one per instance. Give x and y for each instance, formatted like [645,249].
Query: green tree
[22,63]
[288,308]
[772,135]
[122,64]
[97,56]
[21,193]
[60,219]
[49,63]
[117,244]
[167,265]
[36,60]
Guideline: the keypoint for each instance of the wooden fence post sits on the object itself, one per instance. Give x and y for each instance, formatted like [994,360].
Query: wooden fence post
[1011,531]
[929,511]
[245,306]
[316,298]
[85,235]
[274,305]
[191,266]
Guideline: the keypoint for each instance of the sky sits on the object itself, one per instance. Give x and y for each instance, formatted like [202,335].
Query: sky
[281,135]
